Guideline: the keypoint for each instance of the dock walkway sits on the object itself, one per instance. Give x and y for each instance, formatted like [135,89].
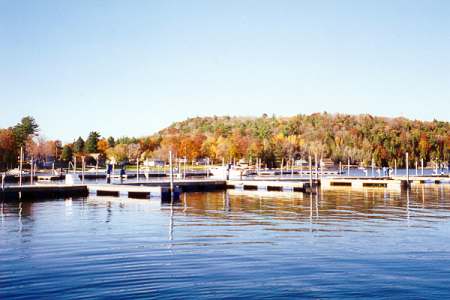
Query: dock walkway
[269,185]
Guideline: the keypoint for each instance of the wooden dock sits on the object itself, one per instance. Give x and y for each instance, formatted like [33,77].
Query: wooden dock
[185,185]
[129,191]
[269,185]
[363,182]
[50,177]
[161,188]
[14,193]
[433,179]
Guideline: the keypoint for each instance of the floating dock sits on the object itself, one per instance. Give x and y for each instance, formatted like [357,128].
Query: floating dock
[161,188]
[129,191]
[363,182]
[13,193]
[433,179]
[50,177]
[269,185]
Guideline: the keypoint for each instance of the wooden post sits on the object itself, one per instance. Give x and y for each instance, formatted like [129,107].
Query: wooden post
[301,167]
[137,170]
[3,180]
[340,167]
[417,168]
[281,168]
[74,164]
[292,167]
[373,166]
[395,167]
[310,173]
[407,168]
[321,168]
[421,163]
[316,167]
[184,175]
[348,166]
[170,171]
[436,164]
[257,166]
[31,171]
[20,166]
[82,169]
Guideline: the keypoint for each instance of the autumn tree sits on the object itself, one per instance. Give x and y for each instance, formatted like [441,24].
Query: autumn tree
[8,153]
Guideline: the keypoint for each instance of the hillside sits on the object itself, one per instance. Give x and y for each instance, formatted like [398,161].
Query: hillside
[337,136]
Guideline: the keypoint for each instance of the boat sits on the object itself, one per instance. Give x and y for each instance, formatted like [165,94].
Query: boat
[228,172]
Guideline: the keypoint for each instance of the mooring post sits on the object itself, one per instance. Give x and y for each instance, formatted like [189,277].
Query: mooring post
[82,168]
[31,171]
[321,168]
[407,168]
[20,166]
[373,167]
[421,163]
[436,164]
[137,170]
[316,167]
[3,180]
[170,172]
[74,165]
[417,168]
[348,166]
[310,173]
[281,166]
[292,167]
[301,167]
[395,167]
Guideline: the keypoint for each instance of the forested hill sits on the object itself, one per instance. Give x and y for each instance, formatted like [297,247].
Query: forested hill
[272,139]
[335,136]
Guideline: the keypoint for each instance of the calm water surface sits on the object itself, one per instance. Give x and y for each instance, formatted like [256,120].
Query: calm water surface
[337,244]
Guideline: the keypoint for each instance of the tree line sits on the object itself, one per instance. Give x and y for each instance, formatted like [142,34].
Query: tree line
[339,137]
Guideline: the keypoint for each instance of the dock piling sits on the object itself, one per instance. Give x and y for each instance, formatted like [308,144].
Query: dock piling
[20,166]
[421,162]
[407,169]
[310,173]
[348,166]
[170,171]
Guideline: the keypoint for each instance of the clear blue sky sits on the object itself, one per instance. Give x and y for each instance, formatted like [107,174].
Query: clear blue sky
[133,67]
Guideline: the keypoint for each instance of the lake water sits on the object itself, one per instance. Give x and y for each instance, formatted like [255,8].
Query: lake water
[339,243]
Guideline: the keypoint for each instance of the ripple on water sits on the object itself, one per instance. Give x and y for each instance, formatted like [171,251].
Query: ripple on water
[337,244]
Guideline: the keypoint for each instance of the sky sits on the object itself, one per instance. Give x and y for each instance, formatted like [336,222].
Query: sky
[134,67]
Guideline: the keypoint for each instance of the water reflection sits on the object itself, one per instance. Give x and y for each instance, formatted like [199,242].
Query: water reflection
[340,242]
